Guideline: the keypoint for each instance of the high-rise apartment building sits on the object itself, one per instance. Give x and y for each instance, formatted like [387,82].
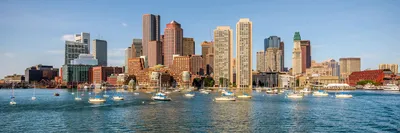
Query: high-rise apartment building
[223,51]
[273,60]
[73,50]
[305,55]
[393,67]
[173,35]
[297,55]
[207,50]
[244,48]
[84,38]
[151,30]
[100,51]
[349,65]
[137,49]
[260,61]
[155,55]
[188,46]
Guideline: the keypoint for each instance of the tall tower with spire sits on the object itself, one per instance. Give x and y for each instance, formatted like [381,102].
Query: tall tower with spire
[296,57]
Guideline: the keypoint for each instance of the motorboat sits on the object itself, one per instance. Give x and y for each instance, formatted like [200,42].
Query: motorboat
[97,100]
[33,98]
[391,87]
[160,97]
[56,94]
[204,92]
[136,93]
[118,98]
[225,98]
[12,102]
[78,98]
[342,95]
[189,95]
[270,91]
[295,95]
[228,93]
[244,95]
[320,93]
[370,86]
[305,90]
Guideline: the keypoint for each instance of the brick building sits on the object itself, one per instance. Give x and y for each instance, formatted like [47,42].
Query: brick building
[100,73]
[374,75]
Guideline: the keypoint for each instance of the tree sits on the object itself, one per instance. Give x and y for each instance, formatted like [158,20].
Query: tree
[208,82]
[364,82]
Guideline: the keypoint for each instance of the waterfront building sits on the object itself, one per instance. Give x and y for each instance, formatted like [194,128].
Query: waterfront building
[180,64]
[188,46]
[305,55]
[14,78]
[40,72]
[223,51]
[260,61]
[112,79]
[146,61]
[76,73]
[374,75]
[137,68]
[307,81]
[285,80]
[207,51]
[136,48]
[73,50]
[349,65]
[151,31]
[326,68]
[196,63]
[155,56]
[85,59]
[244,46]
[297,55]
[265,79]
[393,67]
[128,54]
[84,38]
[99,74]
[100,51]
[173,35]
[273,60]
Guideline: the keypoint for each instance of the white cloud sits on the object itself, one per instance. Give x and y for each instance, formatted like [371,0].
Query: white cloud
[118,52]
[55,51]
[124,24]
[68,37]
[9,55]
[116,62]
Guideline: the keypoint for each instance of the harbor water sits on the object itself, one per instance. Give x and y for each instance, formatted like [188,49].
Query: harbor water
[367,111]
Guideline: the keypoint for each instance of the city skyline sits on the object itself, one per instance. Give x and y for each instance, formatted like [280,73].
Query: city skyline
[355,28]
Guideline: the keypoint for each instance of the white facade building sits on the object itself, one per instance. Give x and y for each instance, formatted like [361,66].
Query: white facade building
[244,46]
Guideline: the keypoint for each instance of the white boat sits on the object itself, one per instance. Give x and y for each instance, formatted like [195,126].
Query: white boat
[34,93]
[160,97]
[189,95]
[167,92]
[204,92]
[305,90]
[370,86]
[12,102]
[225,98]
[77,98]
[391,87]
[343,96]
[118,98]
[136,93]
[320,93]
[97,100]
[270,91]
[295,95]
[244,96]
[228,93]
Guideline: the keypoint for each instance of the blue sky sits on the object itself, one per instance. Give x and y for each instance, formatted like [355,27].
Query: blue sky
[32,32]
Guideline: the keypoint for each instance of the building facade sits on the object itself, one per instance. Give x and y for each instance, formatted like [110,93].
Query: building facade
[84,38]
[305,55]
[244,46]
[137,48]
[151,30]
[188,46]
[393,67]
[40,72]
[85,59]
[100,51]
[272,42]
[100,73]
[73,50]
[173,39]
[223,51]
[155,53]
[196,61]
[207,51]
[326,68]
[348,66]
[265,79]
[128,54]
[297,55]
[375,75]
[260,61]
[76,73]
[14,78]
[273,60]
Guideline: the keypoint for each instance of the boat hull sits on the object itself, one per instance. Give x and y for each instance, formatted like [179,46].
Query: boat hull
[224,99]
[344,96]
[244,96]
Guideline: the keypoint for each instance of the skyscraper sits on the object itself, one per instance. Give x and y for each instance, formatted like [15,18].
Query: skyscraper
[151,30]
[305,55]
[273,60]
[296,56]
[260,61]
[393,67]
[272,42]
[196,63]
[282,48]
[100,51]
[207,50]
[188,46]
[137,49]
[223,50]
[155,53]
[244,53]
[128,55]
[84,38]
[173,35]
[349,65]
[73,50]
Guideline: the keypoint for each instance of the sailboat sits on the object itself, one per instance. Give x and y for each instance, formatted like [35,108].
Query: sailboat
[118,96]
[12,102]
[77,98]
[320,92]
[34,92]
[226,96]
[294,94]
[343,95]
[244,94]
[159,96]
[105,93]
[96,99]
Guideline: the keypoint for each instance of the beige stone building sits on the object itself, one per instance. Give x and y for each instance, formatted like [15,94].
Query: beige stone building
[349,65]
[273,60]
[244,46]
[296,56]
[393,67]
[260,61]
[223,51]
[323,80]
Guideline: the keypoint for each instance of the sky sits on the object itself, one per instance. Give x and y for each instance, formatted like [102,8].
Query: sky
[33,32]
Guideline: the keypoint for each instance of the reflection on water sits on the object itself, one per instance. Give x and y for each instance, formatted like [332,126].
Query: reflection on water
[368,111]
